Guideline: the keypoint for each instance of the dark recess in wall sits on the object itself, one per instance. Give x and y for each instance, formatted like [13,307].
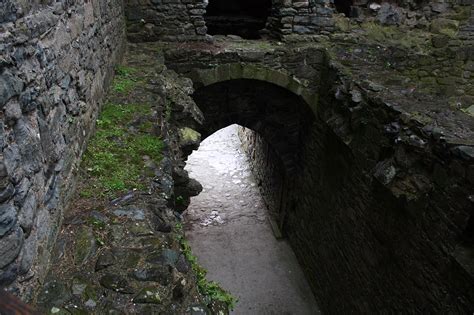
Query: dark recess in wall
[244,18]
[468,235]
[343,6]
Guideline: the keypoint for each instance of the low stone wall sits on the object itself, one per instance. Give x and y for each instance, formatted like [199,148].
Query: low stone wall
[56,60]
[122,247]
[169,21]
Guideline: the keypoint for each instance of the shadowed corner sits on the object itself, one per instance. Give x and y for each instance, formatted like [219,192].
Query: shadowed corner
[11,305]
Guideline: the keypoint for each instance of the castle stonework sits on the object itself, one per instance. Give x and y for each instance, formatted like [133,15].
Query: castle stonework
[360,128]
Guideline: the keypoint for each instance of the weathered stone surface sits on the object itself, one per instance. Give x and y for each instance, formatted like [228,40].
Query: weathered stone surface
[132,213]
[198,310]
[465,152]
[50,93]
[445,27]
[116,283]
[85,246]
[28,254]
[7,192]
[182,265]
[8,218]
[105,260]
[148,295]
[54,294]
[166,257]
[10,246]
[8,275]
[390,14]
[9,87]
[161,275]
[58,57]
[27,213]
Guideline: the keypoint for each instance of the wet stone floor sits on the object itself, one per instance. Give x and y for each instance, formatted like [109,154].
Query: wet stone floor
[229,233]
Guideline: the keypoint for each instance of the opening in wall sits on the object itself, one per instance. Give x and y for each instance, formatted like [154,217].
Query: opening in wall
[228,228]
[244,18]
[468,235]
[344,6]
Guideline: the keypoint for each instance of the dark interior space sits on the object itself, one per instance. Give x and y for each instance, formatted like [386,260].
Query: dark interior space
[343,6]
[244,18]
[468,235]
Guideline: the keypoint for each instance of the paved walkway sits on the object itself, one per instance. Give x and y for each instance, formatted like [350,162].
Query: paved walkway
[230,235]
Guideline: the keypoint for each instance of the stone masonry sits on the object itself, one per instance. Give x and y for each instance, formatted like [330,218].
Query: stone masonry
[56,60]
[370,173]
[184,19]
[384,173]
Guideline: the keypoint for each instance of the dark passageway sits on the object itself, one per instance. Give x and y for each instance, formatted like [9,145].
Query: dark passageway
[244,18]
[227,226]
[344,6]
[260,106]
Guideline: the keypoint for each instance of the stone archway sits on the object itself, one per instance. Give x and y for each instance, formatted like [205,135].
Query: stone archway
[233,71]
[272,106]
[276,109]
[278,114]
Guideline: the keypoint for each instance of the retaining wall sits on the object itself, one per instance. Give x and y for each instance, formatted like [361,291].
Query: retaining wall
[56,60]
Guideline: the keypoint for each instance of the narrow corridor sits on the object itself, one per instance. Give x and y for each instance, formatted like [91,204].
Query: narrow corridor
[227,228]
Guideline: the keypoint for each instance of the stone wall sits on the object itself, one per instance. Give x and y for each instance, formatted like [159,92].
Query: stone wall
[301,17]
[184,19]
[289,20]
[380,209]
[405,12]
[267,169]
[56,60]
[165,20]
[378,223]
[382,230]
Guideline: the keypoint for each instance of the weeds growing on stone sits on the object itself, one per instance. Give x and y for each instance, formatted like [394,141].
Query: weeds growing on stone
[114,157]
[124,80]
[416,40]
[207,288]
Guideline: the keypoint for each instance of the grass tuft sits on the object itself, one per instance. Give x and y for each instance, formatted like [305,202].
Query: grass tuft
[124,80]
[114,157]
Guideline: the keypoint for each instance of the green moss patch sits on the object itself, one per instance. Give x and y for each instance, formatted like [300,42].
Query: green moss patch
[445,27]
[125,79]
[114,157]
[416,40]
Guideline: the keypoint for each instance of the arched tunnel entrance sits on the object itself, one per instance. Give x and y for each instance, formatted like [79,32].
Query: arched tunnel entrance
[244,18]
[229,225]
[278,115]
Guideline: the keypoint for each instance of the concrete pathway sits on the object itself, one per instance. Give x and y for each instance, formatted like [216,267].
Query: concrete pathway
[229,233]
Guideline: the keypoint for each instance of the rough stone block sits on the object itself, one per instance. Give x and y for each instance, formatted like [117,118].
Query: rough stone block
[8,218]
[10,246]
